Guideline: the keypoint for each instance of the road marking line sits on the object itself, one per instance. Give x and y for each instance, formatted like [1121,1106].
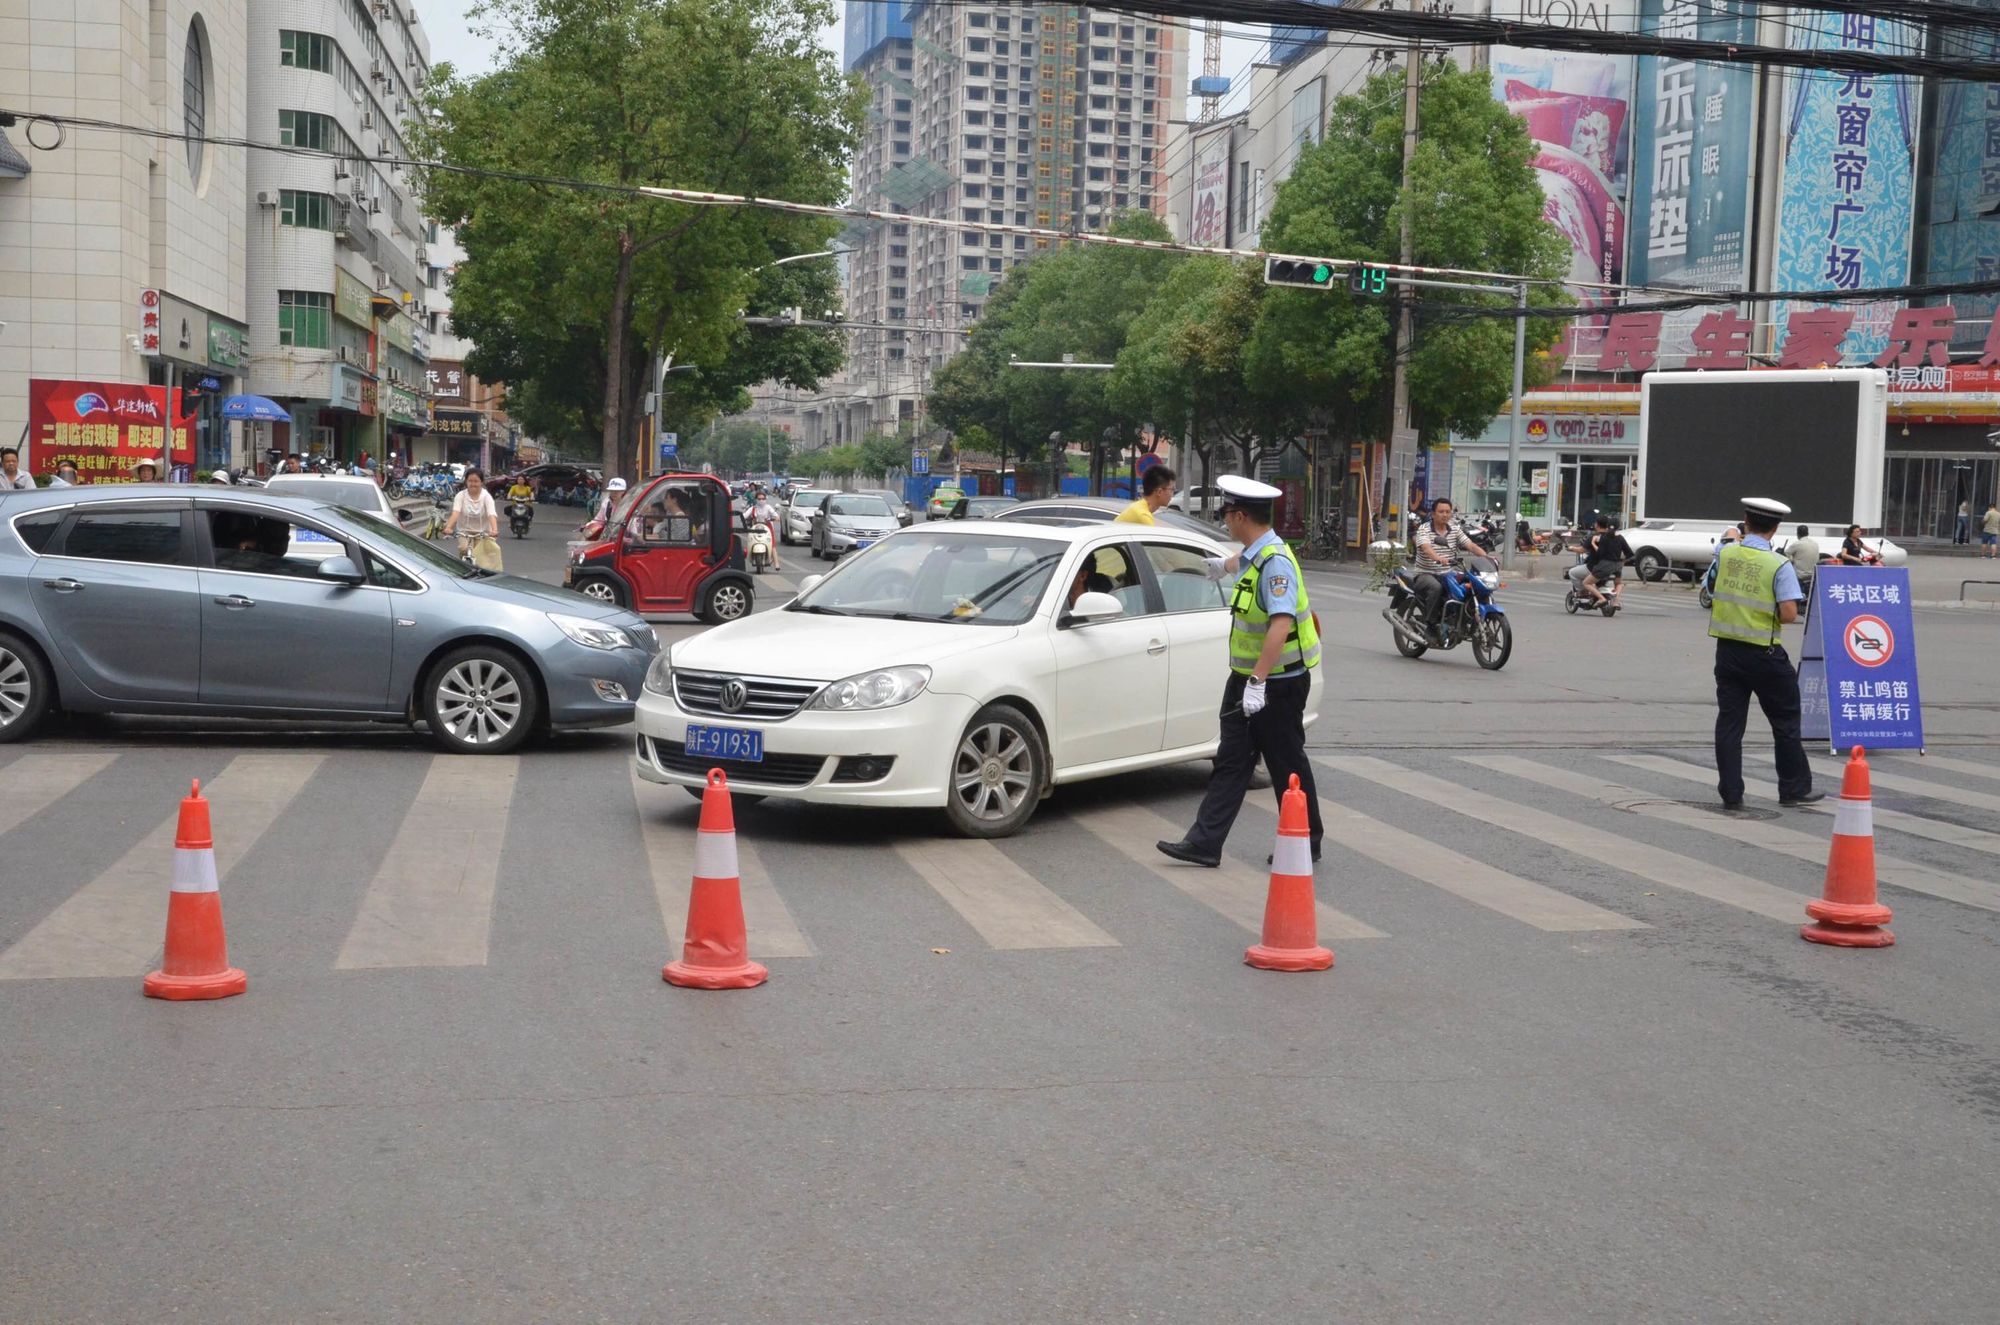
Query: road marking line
[1463,876]
[1233,890]
[431,902]
[1971,766]
[670,860]
[37,780]
[1937,830]
[1009,907]
[116,923]
[1977,800]
[1666,868]
[1758,833]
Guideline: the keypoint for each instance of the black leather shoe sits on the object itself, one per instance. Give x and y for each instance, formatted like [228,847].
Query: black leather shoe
[1810,798]
[1185,850]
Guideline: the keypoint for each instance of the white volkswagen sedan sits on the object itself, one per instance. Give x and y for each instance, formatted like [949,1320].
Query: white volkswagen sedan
[971,667]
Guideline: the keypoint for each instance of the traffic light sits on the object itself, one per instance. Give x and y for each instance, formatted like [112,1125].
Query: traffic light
[1364,279]
[1290,271]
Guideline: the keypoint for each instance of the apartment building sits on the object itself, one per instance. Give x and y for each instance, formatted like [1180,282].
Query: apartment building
[1049,116]
[337,255]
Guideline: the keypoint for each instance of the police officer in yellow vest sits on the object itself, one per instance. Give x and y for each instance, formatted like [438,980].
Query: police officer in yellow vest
[1756,595]
[1273,647]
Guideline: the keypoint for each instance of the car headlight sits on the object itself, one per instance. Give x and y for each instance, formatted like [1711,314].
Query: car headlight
[660,673]
[873,690]
[591,634]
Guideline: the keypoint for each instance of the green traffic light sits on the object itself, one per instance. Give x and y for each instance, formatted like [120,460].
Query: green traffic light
[1322,274]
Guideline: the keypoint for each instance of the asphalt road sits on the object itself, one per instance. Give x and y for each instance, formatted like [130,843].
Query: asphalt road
[1573,1062]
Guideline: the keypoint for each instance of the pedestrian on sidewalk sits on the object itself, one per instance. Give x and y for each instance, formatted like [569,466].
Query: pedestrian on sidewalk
[1756,595]
[1962,532]
[1273,647]
[1989,532]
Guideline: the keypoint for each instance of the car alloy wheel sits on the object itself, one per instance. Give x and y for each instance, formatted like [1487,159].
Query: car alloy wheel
[480,701]
[600,589]
[25,690]
[996,773]
[726,602]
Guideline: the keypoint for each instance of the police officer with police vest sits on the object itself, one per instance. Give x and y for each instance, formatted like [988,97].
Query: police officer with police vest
[1273,647]
[1756,595]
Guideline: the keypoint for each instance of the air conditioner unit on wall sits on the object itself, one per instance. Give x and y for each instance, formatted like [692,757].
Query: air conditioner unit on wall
[367,119]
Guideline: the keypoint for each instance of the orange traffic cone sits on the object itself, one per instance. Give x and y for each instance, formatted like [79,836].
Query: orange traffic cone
[196,963]
[716,954]
[1848,915]
[1291,925]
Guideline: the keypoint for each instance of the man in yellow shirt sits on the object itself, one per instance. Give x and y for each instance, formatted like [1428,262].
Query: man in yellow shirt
[1157,487]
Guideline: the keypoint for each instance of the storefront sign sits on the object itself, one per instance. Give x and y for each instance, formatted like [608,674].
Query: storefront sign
[458,423]
[446,379]
[399,405]
[228,343]
[1847,201]
[396,330]
[1815,337]
[106,427]
[352,300]
[149,321]
[1579,430]
[1208,226]
[353,391]
[1858,672]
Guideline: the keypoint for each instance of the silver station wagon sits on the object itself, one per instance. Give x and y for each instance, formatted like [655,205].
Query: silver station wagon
[185,601]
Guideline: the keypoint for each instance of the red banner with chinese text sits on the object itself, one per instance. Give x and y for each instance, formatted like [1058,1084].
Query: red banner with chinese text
[106,427]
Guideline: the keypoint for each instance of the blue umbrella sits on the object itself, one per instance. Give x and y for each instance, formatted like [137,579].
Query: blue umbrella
[253,407]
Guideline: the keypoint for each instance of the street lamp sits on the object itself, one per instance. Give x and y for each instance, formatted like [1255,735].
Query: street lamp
[801,257]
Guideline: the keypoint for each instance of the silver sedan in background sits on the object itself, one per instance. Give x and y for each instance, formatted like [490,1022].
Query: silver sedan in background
[178,601]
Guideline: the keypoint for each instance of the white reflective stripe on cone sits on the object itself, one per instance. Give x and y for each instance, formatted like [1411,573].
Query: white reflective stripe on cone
[1854,818]
[1293,856]
[194,870]
[715,855]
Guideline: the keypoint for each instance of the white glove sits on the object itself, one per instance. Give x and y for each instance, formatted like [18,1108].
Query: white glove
[1253,698]
[1217,567]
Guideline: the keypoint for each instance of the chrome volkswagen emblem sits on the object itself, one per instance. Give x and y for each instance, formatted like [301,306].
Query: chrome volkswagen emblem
[734,695]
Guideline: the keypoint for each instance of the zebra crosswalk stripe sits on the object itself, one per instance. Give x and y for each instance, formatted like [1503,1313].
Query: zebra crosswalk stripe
[1233,890]
[1902,821]
[114,925]
[1808,847]
[1006,905]
[431,902]
[38,780]
[1881,777]
[1666,868]
[1973,767]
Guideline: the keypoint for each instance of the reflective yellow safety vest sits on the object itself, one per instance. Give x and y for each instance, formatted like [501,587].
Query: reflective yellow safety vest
[1745,600]
[1250,623]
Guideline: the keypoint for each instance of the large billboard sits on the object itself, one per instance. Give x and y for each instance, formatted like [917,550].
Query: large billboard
[106,427]
[1208,215]
[1578,107]
[1848,196]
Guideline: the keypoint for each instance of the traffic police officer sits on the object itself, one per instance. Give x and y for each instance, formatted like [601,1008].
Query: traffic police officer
[1273,647]
[1757,594]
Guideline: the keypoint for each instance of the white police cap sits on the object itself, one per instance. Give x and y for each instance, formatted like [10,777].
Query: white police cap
[1776,510]
[1237,490]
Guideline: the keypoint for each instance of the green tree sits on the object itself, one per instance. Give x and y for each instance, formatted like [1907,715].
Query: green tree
[1182,364]
[569,292]
[1328,358]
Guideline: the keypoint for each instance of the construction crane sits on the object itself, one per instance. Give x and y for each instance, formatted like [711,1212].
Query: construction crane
[1211,87]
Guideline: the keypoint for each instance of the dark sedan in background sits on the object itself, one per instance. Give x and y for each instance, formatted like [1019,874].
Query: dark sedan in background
[182,601]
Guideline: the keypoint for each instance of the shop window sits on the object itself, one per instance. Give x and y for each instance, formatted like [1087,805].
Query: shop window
[305,319]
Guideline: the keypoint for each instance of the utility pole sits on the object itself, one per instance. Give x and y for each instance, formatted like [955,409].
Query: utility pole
[1402,438]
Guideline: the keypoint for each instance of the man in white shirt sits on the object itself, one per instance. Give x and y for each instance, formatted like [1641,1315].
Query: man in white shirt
[10,470]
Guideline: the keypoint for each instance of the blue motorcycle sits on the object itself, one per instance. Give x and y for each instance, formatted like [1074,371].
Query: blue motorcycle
[1469,614]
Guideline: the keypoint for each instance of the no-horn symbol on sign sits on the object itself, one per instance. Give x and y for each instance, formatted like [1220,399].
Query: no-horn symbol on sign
[1869,641]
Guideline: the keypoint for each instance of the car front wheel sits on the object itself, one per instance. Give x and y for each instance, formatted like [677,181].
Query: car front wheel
[997,773]
[26,690]
[1652,567]
[480,700]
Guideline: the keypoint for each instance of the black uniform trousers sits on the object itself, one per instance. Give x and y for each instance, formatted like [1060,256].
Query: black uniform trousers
[1743,670]
[1278,734]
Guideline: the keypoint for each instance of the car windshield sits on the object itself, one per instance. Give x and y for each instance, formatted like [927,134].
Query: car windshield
[361,496]
[432,557]
[859,506]
[809,500]
[926,576]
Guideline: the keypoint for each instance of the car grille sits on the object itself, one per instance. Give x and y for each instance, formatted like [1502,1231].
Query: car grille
[765,699]
[775,771]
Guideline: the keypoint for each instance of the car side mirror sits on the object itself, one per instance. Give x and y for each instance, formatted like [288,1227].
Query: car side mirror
[341,569]
[1093,607]
[807,585]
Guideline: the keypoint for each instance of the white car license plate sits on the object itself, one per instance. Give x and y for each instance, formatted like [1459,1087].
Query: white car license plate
[741,743]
